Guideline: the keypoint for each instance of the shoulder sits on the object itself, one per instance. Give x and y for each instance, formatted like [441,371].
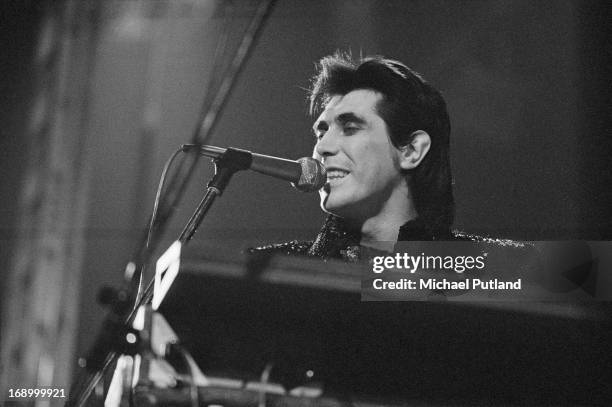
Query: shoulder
[493,241]
[512,248]
[503,254]
[332,241]
[294,247]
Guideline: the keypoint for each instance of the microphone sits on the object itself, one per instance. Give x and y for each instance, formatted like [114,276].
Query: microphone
[305,174]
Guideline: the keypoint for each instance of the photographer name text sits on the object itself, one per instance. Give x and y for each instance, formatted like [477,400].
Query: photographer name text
[444,284]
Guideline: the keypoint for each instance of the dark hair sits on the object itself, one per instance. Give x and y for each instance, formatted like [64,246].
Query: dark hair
[408,104]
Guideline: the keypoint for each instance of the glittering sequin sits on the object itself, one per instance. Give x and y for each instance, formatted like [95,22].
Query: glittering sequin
[337,241]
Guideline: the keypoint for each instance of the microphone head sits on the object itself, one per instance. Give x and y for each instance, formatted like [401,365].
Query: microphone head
[313,177]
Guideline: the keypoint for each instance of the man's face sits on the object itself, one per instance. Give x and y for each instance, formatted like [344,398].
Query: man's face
[362,165]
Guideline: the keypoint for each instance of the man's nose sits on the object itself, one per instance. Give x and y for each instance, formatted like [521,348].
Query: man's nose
[327,145]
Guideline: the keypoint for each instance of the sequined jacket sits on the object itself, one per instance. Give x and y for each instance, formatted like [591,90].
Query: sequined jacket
[337,241]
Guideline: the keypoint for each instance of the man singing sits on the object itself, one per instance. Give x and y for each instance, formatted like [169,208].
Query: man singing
[383,135]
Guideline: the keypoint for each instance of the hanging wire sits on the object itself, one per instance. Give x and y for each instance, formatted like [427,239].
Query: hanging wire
[202,133]
[227,10]
[210,115]
[165,207]
[158,194]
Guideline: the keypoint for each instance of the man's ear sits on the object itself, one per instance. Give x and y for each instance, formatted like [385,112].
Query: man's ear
[413,153]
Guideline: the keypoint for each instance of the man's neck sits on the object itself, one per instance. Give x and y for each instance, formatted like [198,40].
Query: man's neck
[381,231]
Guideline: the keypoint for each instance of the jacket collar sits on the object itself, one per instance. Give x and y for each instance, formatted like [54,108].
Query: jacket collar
[337,240]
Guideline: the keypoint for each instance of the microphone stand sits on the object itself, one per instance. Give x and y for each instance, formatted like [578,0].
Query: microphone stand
[124,303]
[231,161]
[115,328]
[226,165]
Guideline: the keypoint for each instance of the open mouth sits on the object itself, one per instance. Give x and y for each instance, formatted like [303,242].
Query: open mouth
[334,175]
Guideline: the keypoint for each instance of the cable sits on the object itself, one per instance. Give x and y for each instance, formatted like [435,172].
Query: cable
[160,187]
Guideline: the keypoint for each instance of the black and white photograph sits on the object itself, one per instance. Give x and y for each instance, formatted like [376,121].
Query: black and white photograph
[294,203]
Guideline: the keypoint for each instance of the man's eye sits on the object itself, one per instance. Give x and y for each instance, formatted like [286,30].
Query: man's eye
[318,136]
[350,129]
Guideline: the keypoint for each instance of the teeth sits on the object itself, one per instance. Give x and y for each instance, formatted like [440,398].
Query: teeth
[335,174]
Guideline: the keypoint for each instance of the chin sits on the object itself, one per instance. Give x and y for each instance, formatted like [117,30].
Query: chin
[343,210]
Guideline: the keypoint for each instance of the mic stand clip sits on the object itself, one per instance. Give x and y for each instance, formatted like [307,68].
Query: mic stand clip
[230,162]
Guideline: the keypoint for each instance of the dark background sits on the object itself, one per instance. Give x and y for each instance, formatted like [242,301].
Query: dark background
[527,86]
